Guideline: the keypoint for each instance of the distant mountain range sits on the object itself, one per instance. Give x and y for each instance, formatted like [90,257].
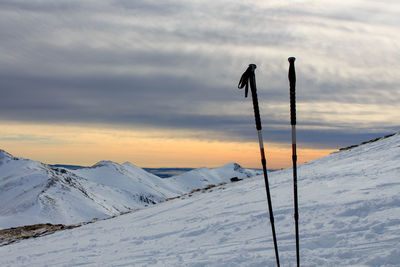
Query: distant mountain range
[32,192]
[160,172]
[167,172]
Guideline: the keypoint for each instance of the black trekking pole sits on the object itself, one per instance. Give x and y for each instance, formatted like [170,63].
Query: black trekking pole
[292,81]
[249,76]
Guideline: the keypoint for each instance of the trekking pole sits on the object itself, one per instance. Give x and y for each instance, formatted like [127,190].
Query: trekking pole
[292,81]
[249,76]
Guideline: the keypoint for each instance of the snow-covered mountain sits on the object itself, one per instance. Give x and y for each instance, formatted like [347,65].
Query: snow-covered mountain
[200,178]
[32,192]
[127,179]
[349,216]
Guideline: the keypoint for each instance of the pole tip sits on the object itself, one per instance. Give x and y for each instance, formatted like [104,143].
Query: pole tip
[252,66]
[291,59]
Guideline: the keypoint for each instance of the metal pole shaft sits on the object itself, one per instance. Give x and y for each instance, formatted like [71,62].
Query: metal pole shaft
[271,213]
[296,204]
[253,88]
[292,80]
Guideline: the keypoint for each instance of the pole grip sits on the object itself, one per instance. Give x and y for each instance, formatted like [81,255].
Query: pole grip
[292,81]
[249,77]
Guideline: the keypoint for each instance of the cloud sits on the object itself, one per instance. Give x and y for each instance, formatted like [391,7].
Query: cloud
[176,64]
[40,6]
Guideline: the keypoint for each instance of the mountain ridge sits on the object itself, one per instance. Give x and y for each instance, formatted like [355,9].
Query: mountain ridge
[33,192]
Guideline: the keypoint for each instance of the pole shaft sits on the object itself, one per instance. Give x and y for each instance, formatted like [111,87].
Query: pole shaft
[270,210]
[296,204]
[253,88]
[292,81]
[264,162]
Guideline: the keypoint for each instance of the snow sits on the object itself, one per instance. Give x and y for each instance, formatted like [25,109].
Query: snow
[349,206]
[32,192]
[200,178]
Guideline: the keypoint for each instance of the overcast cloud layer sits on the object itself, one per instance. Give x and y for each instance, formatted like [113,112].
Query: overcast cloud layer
[175,64]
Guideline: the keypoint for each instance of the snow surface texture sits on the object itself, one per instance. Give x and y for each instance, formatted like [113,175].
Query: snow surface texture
[32,192]
[349,216]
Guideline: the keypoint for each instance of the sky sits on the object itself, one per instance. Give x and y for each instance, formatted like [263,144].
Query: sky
[155,82]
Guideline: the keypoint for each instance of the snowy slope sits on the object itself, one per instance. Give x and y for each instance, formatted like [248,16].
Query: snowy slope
[128,179]
[349,216]
[32,192]
[200,178]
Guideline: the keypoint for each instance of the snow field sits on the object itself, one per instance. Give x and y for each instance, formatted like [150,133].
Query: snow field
[349,207]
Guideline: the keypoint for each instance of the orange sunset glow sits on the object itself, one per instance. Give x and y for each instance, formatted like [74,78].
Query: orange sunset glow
[82,145]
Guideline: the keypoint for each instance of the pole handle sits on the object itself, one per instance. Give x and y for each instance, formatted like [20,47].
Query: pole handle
[250,77]
[292,81]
